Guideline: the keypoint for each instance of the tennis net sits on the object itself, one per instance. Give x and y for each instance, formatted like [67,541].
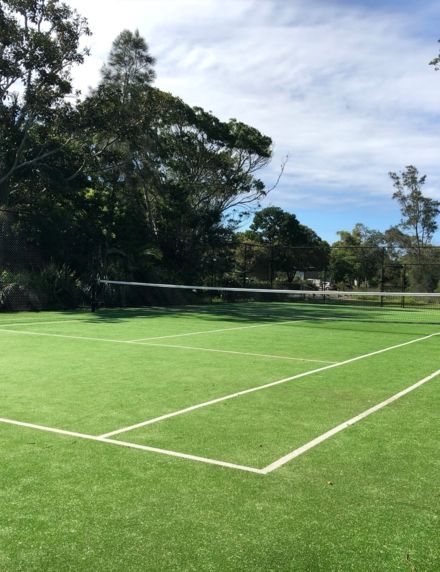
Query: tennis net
[354,305]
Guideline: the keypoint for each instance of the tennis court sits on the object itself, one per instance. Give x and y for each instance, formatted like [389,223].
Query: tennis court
[252,435]
[247,386]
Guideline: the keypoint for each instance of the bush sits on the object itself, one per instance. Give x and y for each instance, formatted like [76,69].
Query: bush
[17,297]
[58,287]
[52,288]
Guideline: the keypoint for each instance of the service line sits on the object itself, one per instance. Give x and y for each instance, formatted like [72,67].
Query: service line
[252,354]
[169,346]
[219,330]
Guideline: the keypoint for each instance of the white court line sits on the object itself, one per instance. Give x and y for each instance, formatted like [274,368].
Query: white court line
[186,456]
[266,470]
[271,356]
[47,334]
[144,339]
[37,323]
[220,330]
[314,442]
[171,346]
[261,387]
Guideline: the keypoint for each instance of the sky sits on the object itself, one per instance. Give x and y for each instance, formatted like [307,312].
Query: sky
[343,87]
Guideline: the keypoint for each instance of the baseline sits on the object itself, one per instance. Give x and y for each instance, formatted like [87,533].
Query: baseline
[129,445]
[261,387]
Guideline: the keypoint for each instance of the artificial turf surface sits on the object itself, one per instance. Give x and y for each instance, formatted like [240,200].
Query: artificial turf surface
[367,499]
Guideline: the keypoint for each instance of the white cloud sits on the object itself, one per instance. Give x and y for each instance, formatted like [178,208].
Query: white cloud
[344,89]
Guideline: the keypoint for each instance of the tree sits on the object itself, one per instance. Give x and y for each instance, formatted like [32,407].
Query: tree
[130,65]
[419,213]
[292,246]
[173,173]
[39,44]
[135,182]
[358,257]
[117,149]
[273,225]
[208,168]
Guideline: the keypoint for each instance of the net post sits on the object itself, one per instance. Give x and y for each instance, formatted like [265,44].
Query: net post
[94,292]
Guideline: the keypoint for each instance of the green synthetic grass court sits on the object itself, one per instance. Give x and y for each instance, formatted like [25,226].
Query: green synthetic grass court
[201,438]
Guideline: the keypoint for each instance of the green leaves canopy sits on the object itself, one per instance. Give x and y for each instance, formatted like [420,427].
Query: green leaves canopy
[135,180]
[39,44]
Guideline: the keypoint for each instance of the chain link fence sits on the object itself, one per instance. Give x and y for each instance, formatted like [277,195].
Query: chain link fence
[27,281]
[325,268]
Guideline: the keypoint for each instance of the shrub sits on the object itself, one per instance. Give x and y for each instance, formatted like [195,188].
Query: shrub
[53,287]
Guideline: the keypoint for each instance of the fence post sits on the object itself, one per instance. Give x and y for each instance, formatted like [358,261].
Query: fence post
[403,284]
[245,267]
[382,275]
[271,266]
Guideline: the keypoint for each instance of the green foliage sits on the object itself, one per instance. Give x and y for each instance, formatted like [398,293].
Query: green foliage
[357,258]
[408,244]
[59,287]
[52,287]
[130,65]
[292,246]
[172,172]
[39,45]
[419,213]
[135,183]
[173,175]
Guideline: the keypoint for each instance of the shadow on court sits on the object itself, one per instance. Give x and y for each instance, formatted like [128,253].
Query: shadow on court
[390,319]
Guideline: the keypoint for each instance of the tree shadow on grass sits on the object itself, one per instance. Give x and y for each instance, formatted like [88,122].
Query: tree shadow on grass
[393,320]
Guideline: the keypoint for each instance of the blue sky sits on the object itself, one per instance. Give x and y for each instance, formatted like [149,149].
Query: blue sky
[342,87]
